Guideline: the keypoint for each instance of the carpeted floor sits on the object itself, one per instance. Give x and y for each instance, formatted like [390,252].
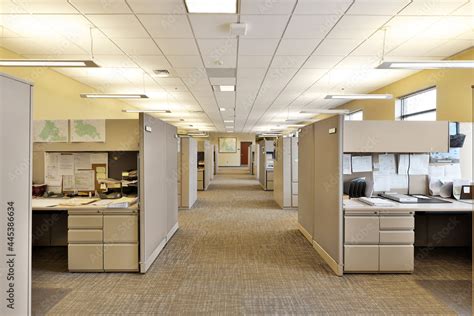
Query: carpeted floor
[237,253]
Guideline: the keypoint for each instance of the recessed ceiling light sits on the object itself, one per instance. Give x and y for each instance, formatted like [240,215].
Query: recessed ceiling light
[323,111]
[228,121]
[146,111]
[360,96]
[428,64]
[46,63]
[222,109]
[223,88]
[113,96]
[211,6]
[162,73]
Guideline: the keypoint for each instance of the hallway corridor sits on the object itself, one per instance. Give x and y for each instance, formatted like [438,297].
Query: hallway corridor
[236,252]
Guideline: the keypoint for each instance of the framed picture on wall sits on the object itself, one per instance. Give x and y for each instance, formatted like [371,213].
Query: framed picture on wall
[227,144]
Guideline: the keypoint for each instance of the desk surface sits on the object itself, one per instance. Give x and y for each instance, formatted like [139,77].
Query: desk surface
[455,206]
[40,204]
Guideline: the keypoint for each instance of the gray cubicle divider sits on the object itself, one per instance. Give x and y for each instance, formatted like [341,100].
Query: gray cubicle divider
[328,190]
[15,195]
[188,172]
[282,172]
[306,181]
[158,187]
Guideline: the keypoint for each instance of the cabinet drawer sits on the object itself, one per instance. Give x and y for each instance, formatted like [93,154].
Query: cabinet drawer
[269,175]
[121,257]
[200,175]
[361,258]
[84,221]
[85,257]
[397,237]
[84,236]
[120,228]
[397,258]
[361,230]
[200,185]
[397,222]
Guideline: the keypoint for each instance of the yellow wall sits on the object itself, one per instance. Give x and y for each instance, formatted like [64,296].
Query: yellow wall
[454,93]
[56,96]
[230,159]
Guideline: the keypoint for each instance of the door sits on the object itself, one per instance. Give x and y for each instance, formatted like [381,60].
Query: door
[244,152]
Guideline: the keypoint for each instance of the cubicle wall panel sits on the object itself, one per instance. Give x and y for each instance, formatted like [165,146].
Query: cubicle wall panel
[328,215]
[171,176]
[306,178]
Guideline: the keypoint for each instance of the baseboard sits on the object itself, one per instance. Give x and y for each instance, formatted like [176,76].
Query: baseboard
[305,233]
[337,268]
[144,266]
[173,231]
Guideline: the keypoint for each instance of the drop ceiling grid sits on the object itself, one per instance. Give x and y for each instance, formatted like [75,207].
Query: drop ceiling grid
[252,10]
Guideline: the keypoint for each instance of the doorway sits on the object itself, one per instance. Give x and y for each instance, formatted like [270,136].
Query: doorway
[244,153]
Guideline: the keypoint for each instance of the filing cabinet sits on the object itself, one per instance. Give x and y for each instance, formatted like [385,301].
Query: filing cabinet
[103,240]
[379,241]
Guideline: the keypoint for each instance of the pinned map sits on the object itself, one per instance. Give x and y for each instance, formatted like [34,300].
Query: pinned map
[88,131]
[48,131]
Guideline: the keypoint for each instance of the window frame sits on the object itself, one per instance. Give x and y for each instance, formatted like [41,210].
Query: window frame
[401,104]
[349,115]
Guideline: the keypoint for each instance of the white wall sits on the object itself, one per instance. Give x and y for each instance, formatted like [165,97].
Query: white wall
[231,159]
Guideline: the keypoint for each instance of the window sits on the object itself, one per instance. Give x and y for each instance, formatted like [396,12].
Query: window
[354,116]
[419,106]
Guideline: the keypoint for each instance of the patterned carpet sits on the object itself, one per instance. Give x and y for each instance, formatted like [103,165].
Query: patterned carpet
[237,253]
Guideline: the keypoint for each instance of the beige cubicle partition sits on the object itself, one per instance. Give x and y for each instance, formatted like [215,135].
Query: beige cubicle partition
[306,181]
[158,187]
[204,172]
[266,152]
[285,181]
[396,136]
[187,172]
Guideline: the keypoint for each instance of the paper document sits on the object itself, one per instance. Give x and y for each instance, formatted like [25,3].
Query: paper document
[68,183]
[44,202]
[84,180]
[419,164]
[452,171]
[99,158]
[66,165]
[82,161]
[52,176]
[398,181]
[403,164]
[382,182]
[387,164]
[361,163]
[346,164]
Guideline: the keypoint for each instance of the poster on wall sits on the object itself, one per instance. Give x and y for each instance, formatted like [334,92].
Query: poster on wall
[88,131]
[227,145]
[51,131]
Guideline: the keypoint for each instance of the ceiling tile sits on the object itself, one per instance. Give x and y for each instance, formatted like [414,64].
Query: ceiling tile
[218,47]
[185,61]
[219,61]
[119,26]
[449,27]
[467,9]
[358,26]
[450,47]
[167,25]
[212,25]
[37,6]
[322,62]
[288,61]
[340,47]
[322,6]
[430,7]
[222,81]
[180,46]
[94,6]
[256,47]
[254,61]
[266,7]
[154,7]
[377,7]
[310,26]
[264,26]
[297,47]
[416,47]
[150,63]
[138,46]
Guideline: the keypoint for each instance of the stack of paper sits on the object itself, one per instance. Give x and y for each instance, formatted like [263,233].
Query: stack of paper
[376,201]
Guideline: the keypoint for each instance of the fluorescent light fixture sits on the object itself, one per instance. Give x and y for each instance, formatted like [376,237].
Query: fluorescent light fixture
[231,127]
[162,73]
[427,64]
[323,111]
[146,111]
[211,6]
[222,109]
[359,96]
[228,121]
[223,88]
[113,96]
[46,63]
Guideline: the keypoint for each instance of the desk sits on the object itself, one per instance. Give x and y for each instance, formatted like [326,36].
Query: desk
[382,239]
[99,239]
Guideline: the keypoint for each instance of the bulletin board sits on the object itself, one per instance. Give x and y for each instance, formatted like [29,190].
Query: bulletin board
[70,172]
